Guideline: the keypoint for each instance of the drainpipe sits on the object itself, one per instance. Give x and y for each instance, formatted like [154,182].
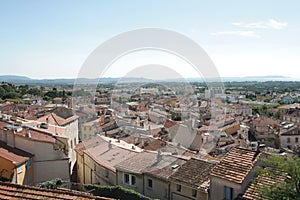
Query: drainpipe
[143,178]
[117,180]
[16,171]
[83,168]
[169,190]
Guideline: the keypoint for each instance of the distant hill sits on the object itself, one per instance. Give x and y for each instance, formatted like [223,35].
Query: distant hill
[27,80]
[13,78]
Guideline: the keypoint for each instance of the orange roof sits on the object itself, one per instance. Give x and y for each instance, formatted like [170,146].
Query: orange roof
[15,191]
[52,129]
[169,123]
[16,156]
[36,135]
[263,182]
[98,149]
[54,119]
[235,165]
[194,173]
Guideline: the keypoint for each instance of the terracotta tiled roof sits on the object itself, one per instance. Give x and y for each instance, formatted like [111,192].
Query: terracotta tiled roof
[154,145]
[51,129]
[263,181]
[151,163]
[54,119]
[138,163]
[291,131]
[16,156]
[194,173]
[165,168]
[155,131]
[109,124]
[98,149]
[169,123]
[80,148]
[37,135]
[263,123]
[15,191]
[236,165]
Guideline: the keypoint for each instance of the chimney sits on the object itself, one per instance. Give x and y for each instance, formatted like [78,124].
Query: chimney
[10,139]
[109,144]
[27,134]
[175,152]
[139,139]
[159,156]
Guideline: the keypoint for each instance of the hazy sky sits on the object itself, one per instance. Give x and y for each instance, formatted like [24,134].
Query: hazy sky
[52,39]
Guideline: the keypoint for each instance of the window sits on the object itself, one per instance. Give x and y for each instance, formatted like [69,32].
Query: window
[194,193]
[126,178]
[129,179]
[106,173]
[296,140]
[150,183]
[178,188]
[228,193]
[133,180]
[288,140]
[19,169]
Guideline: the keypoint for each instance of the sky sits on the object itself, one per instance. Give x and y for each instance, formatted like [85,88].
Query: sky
[52,39]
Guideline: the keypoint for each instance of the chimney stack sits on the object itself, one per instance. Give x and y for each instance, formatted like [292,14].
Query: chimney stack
[27,134]
[109,144]
[159,156]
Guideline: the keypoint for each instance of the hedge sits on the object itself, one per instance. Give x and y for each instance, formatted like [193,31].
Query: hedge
[116,192]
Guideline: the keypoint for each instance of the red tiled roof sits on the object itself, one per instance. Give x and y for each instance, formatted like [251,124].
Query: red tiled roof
[54,119]
[235,165]
[194,173]
[291,131]
[37,135]
[16,156]
[165,168]
[98,149]
[262,182]
[15,191]
[169,123]
[155,145]
[34,134]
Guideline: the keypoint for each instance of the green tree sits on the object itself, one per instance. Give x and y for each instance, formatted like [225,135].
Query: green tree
[287,189]
[34,91]
[52,184]
[23,89]
[12,95]
[2,92]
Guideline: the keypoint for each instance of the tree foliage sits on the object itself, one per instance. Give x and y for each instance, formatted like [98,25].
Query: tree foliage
[116,192]
[52,184]
[287,189]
